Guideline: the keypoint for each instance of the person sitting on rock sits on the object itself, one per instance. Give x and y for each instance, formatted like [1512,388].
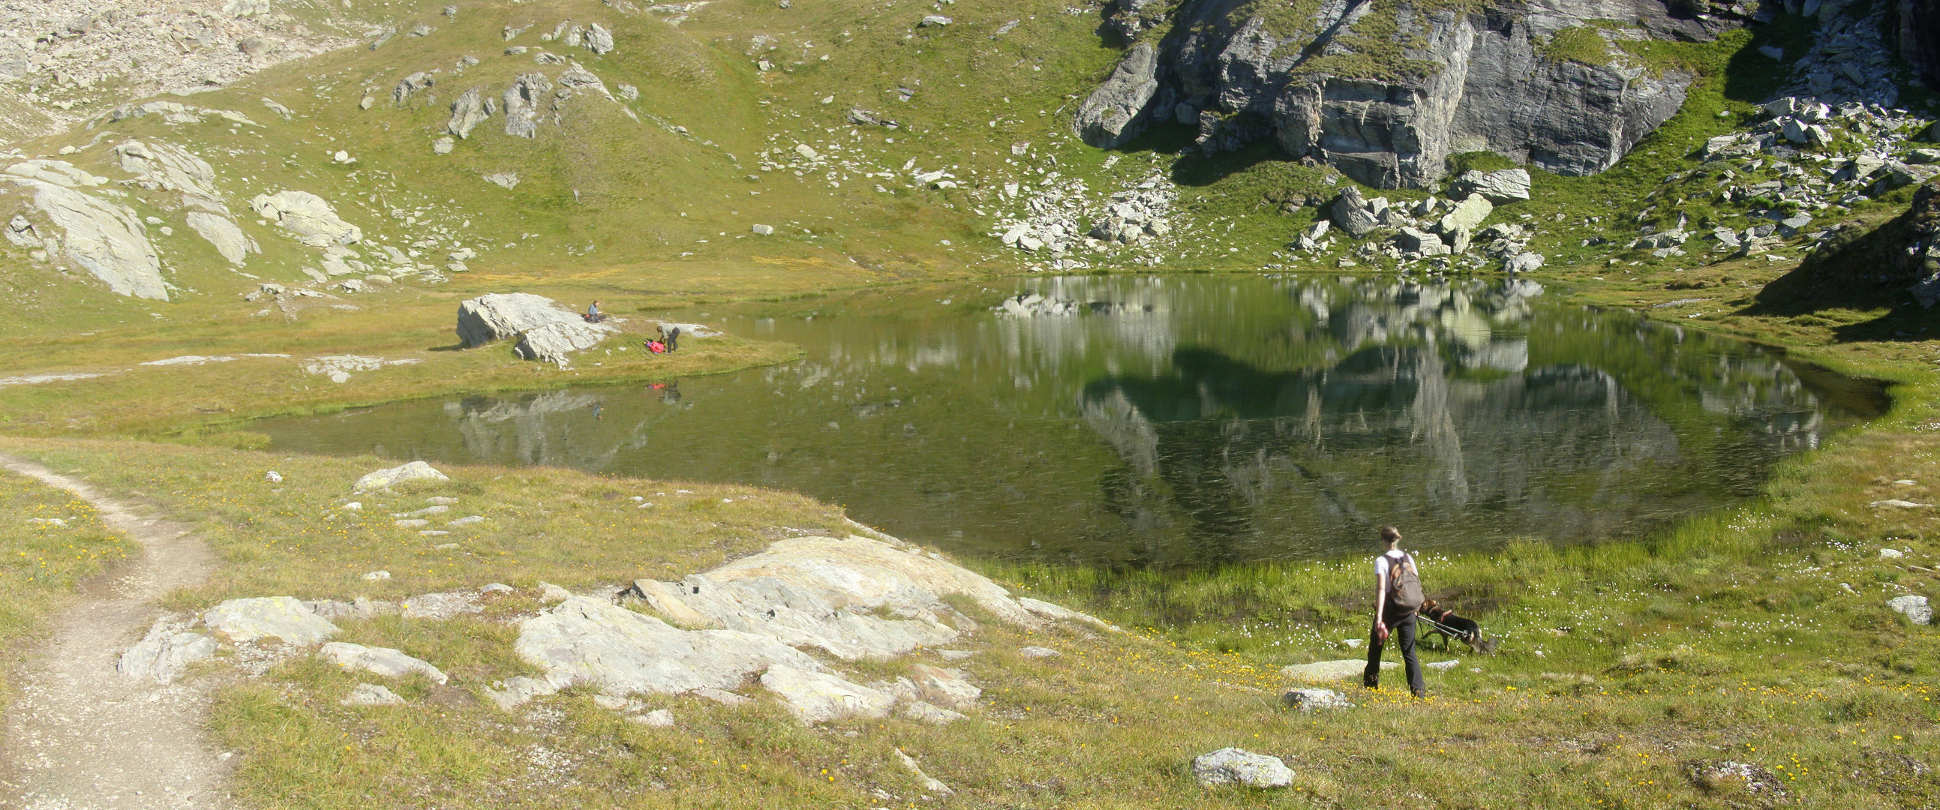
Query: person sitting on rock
[593,312]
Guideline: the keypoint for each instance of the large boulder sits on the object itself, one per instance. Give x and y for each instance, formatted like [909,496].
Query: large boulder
[1112,114]
[499,316]
[1506,185]
[306,216]
[470,110]
[1350,212]
[555,342]
[1467,215]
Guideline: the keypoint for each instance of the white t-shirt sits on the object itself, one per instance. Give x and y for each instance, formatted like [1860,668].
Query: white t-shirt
[1386,559]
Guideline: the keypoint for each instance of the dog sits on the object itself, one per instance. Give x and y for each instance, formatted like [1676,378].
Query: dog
[1445,623]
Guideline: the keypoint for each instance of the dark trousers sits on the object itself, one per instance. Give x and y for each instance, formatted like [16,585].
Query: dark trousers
[1401,626]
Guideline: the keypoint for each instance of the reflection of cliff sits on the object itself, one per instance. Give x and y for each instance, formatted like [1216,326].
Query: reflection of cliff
[557,428]
[1236,458]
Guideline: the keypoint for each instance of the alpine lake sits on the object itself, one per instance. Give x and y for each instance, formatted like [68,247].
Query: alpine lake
[1191,421]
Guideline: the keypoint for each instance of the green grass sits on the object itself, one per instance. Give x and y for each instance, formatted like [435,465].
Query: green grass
[50,542]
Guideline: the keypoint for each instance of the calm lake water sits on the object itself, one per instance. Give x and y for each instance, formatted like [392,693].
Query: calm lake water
[1183,421]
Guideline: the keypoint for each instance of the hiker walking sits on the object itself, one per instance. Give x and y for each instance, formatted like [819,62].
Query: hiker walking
[1397,595]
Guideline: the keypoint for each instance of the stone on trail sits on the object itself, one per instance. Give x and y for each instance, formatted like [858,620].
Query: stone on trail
[818,697]
[1329,671]
[1230,766]
[1308,700]
[383,661]
[278,617]
[1915,608]
[370,694]
[168,649]
[387,478]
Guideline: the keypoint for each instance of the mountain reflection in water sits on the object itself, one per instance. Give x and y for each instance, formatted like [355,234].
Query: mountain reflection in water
[1189,421]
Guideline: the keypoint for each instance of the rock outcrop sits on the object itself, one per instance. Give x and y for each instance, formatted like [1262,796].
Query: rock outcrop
[308,217]
[545,330]
[1385,94]
[86,227]
[281,618]
[1108,117]
[167,167]
[854,598]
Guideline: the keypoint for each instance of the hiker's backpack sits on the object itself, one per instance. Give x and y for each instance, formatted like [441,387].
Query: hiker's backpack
[1404,583]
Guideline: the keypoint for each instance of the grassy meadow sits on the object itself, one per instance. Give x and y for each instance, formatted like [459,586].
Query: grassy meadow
[1629,670]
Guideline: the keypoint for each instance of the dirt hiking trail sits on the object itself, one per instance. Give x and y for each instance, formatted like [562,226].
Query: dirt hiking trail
[80,735]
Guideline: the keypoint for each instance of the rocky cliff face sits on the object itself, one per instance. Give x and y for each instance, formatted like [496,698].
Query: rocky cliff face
[1919,37]
[1386,93]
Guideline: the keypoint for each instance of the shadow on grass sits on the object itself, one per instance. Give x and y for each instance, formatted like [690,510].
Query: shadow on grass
[1860,272]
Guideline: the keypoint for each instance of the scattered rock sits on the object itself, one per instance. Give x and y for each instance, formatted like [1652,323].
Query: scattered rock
[1308,700]
[1915,608]
[370,694]
[1037,652]
[471,109]
[658,718]
[1725,775]
[1890,554]
[930,785]
[1328,671]
[1235,766]
[383,661]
